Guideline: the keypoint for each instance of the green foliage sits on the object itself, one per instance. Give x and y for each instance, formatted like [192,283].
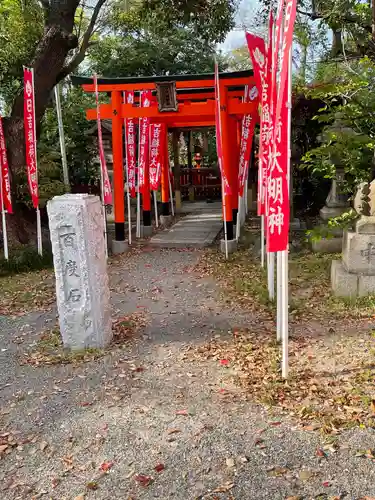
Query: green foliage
[139,44]
[80,139]
[210,19]
[349,138]
[25,259]
[21,26]
[238,59]
[343,221]
[178,51]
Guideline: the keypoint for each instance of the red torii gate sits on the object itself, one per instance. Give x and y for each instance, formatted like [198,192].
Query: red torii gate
[196,108]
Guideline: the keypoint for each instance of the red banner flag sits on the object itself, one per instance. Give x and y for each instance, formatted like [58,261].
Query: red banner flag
[278,189]
[5,194]
[30,134]
[130,146]
[219,146]
[144,132]
[287,40]
[248,125]
[157,136]
[261,66]
[106,185]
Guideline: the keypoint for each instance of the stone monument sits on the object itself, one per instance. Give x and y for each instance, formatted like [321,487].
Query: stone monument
[82,290]
[336,205]
[354,276]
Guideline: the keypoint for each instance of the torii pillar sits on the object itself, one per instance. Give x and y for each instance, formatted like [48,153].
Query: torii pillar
[119,245]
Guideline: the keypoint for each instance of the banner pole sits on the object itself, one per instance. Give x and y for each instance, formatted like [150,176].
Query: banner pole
[224,217]
[171,192]
[262,240]
[104,211]
[127,185]
[238,222]
[3,215]
[138,220]
[62,137]
[39,231]
[156,210]
[38,221]
[285,293]
[279,292]
[271,275]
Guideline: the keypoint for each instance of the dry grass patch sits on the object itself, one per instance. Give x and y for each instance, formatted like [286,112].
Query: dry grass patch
[332,379]
[243,284]
[49,349]
[24,293]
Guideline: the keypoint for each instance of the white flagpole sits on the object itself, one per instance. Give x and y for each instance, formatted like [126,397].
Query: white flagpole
[285,253]
[171,192]
[262,248]
[127,180]
[271,275]
[62,138]
[221,166]
[138,223]
[101,174]
[156,209]
[103,206]
[38,221]
[3,216]
[278,295]
[224,214]
[238,222]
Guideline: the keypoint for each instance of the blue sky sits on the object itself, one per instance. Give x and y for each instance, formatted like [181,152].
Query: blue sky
[236,38]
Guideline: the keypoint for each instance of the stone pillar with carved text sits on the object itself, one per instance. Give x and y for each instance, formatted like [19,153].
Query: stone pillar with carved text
[354,275]
[82,290]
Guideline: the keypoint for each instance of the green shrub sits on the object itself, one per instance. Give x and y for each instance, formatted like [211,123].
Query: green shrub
[25,259]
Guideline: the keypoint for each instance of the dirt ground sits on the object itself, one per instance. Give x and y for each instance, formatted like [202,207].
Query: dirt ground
[161,415]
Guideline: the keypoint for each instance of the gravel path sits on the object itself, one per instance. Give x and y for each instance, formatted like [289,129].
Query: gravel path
[150,406]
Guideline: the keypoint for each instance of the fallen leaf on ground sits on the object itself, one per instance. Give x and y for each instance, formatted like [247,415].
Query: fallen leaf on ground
[92,485]
[143,480]
[43,445]
[326,484]
[224,362]
[224,488]
[80,497]
[173,431]
[320,453]
[230,462]
[159,467]
[305,475]
[105,466]
[277,471]
[182,412]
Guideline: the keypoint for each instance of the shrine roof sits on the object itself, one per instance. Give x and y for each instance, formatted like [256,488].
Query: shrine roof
[84,80]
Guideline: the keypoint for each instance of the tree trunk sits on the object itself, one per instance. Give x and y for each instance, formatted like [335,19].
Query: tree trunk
[49,59]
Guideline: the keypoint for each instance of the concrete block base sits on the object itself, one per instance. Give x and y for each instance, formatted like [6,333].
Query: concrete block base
[295,224]
[119,247]
[350,285]
[232,246]
[165,220]
[366,285]
[327,245]
[343,283]
[146,231]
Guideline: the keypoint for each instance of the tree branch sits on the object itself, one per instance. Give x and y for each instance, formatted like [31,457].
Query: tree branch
[347,18]
[80,55]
